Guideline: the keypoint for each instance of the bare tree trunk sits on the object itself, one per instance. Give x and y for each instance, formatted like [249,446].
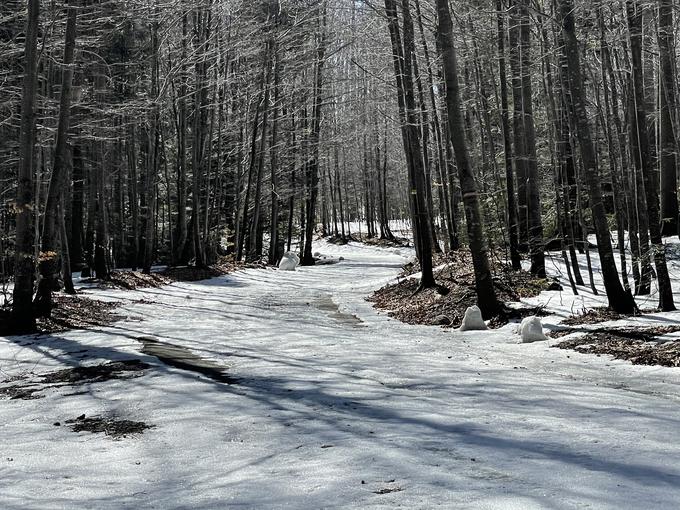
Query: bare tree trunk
[667,109]
[619,300]
[152,159]
[274,227]
[312,165]
[49,258]
[650,179]
[402,59]
[486,296]
[181,234]
[511,213]
[24,261]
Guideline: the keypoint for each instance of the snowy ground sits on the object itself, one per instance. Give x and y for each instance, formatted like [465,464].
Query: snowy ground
[335,412]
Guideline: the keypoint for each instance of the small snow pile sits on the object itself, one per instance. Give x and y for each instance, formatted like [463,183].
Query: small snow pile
[289,261]
[531,330]
[473,319]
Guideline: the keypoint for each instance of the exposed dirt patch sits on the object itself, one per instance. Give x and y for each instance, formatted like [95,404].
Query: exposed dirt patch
[387,490]
[394,242]
[112,427]
[78,312]
[21,392]
[31,387]
[640,346]
[125,369]
[131,280]
[600,314]
[68,312]
[447,309]
[136,280]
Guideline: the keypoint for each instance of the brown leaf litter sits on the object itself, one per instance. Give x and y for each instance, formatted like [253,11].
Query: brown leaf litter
[110,426]
[639,345]
[601,314]
[30,388]
[431,306]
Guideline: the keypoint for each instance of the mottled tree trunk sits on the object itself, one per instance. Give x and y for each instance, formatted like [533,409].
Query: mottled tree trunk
[619,300]
[24,261]
[486,296]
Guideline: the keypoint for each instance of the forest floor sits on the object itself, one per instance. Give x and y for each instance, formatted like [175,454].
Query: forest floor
[403,300]
[273,389]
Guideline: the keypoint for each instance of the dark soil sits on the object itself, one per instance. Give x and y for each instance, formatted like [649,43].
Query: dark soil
[21,392]
[78,312]
[640,346]
[395,242]
[387,490]
[600,314]
[125,369]
[30,389]
[68,312]
[432,306]
[131,280]
[110,426]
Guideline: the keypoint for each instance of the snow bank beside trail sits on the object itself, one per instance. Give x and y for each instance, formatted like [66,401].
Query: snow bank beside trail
[561,304]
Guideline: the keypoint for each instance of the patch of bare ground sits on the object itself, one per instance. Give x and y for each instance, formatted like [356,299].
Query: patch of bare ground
[600,314]
[639,345]
[392,242]
[131,280]
[432,306]
[68,312]
[79,312]
[30,386]
[112,427]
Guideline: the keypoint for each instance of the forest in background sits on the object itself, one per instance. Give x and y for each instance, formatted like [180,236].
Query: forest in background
[144,132]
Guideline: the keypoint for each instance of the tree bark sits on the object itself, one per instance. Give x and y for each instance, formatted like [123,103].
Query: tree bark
[511,213]
[24,261]
[49,258]
[667,109]
[650,179]
[486,296]
[619,300]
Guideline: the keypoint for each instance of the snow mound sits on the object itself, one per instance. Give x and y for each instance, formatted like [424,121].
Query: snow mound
[473,319]
[531,330]
[289,261]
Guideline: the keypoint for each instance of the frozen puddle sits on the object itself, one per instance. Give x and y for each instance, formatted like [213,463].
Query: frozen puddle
[326,304]
[184,359]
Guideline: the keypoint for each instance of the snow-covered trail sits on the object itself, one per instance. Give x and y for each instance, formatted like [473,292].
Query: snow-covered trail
[330,412]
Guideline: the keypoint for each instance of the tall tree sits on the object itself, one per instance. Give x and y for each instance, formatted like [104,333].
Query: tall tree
[511,213]
[486,296]
[403,70]
[54,213]
[668,154]
[619,300]
[643,158]
[24,260]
